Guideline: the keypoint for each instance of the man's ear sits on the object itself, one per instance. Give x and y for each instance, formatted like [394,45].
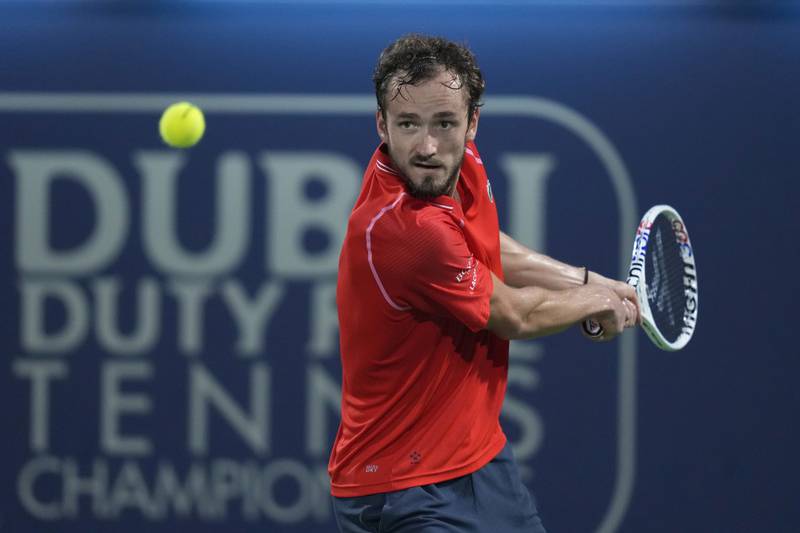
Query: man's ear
[380,123]
[472,129]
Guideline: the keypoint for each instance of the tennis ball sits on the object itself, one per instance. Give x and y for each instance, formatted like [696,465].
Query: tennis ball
[182,125]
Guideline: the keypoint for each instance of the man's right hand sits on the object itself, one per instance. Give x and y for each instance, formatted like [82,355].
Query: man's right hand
[532,312]
[621,313]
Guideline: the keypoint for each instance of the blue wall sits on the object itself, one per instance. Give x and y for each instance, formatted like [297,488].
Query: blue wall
[171,362]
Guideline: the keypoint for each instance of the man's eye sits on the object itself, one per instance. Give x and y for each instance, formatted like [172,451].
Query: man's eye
[406,124]
[446,124]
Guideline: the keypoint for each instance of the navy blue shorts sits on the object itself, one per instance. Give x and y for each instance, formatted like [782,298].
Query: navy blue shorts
[491,500]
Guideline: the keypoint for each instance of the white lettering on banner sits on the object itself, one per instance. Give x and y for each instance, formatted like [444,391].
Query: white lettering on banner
[227,478]
[518,413]
[213,490]
[191,295]
[323,409]
[323,341]
[36,171]
[284,468]
[148,320]
[527,181]
[205,392]
[194,495]
[252,316]
[35,339]
[523,415]
[129,492]
[74,485]
[114,403]
[159,171]
[40,374]
[27,478]
[528,176]
[308,192]
[291,213]
[99,304]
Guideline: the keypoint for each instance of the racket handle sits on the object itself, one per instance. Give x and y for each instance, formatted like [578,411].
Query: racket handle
[592,327]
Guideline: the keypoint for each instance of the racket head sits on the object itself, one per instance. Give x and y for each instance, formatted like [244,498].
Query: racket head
[664,274]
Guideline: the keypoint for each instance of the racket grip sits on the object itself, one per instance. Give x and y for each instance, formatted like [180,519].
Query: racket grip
[592,327]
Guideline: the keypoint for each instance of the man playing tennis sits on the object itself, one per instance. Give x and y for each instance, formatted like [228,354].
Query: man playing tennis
[429,293]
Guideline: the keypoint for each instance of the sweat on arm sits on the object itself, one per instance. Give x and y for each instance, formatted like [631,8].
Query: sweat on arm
[530,312]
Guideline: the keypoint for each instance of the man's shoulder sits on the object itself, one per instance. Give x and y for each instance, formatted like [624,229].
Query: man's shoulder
[472,162]
[417,215]
[413,228]
[402,208]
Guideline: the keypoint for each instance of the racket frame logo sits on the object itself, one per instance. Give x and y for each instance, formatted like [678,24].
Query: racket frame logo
[636,271]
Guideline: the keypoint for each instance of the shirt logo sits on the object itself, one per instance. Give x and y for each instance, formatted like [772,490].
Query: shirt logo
[465,271]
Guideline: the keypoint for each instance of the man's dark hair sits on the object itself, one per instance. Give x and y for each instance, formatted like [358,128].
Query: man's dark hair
[414,58]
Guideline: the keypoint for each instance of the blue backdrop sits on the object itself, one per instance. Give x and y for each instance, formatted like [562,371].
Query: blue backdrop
[171,352]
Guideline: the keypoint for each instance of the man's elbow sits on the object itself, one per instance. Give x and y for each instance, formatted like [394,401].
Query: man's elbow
[507,325]
[514,312]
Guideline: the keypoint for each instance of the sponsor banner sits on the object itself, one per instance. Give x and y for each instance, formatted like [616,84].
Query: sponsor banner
[177,358]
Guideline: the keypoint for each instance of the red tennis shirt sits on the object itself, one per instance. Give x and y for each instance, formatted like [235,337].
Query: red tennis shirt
[423,381]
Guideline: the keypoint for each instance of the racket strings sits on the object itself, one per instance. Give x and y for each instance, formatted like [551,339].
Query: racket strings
[664,273]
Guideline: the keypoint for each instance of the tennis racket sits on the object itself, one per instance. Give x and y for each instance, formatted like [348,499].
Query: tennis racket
[664,274]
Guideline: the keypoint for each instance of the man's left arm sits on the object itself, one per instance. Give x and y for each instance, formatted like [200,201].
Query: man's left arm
[522,267]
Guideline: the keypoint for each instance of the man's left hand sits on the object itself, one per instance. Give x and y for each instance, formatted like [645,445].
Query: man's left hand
[624,291]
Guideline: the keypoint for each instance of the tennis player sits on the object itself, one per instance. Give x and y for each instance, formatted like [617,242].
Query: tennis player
[429,293]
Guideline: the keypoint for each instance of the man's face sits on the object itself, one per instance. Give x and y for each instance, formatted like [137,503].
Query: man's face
[426,129]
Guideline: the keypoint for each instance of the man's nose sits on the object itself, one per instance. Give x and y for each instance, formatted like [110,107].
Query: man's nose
[427,145]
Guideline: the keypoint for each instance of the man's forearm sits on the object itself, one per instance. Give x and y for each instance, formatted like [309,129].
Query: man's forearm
[523,267]
[530,312]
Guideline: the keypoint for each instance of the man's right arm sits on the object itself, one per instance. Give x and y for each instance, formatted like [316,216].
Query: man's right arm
[529,312]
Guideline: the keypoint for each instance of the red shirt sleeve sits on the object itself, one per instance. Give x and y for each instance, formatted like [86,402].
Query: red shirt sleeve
[425,263]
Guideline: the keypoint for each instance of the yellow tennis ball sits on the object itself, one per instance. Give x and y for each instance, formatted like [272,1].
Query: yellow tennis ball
[182,125]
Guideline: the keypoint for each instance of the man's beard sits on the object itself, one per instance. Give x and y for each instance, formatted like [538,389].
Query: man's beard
[428,190]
